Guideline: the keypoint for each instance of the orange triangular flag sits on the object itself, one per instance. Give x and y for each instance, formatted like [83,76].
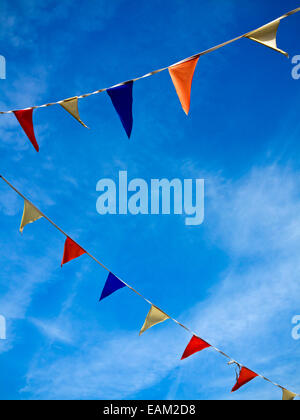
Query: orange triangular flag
[182,77]
[246,376]
[72,251]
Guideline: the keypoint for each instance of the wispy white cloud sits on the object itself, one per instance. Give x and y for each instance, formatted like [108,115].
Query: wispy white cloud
[17,299]
[43,15]
[9,203]
[261,209]
[55,330]
[98,370]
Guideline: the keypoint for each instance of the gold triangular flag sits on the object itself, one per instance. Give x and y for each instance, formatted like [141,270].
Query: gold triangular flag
[266,35]
[154,317]
[288,395]
[30,215]
[71,105]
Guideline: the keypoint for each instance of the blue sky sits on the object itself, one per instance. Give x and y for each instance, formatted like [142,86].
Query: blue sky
[234,279]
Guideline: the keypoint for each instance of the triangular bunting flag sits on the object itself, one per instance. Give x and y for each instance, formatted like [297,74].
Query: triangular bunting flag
[25,119]
[182,77]
[266,35]
[111,286]
[72,250]
[154,317]
[122,99]
[71,105]
[195,345]
[288,395]
[245,376]
[30,215]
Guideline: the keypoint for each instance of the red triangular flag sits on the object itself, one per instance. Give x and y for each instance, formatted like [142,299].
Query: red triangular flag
[72,251]
[194,346]
[25,119]
[246,376]
[182,77]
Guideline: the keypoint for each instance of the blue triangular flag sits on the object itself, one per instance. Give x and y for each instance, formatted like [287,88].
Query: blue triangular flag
[122,99]
[112,285]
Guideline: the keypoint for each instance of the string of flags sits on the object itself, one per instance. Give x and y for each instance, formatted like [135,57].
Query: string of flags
[121,95]
[155,316]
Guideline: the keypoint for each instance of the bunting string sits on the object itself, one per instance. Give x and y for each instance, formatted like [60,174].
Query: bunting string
[121,95]
[152,73]
[155,315]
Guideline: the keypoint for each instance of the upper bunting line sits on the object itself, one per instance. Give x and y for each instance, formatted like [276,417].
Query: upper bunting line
[231,360]
[152,73]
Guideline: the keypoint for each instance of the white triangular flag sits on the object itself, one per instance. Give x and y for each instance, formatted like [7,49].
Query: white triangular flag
[266,35]
[71,105]
[154,317]
[288,395]
[30,215]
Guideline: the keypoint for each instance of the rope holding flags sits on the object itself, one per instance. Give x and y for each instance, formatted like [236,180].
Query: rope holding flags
[155,316]
[181,74]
